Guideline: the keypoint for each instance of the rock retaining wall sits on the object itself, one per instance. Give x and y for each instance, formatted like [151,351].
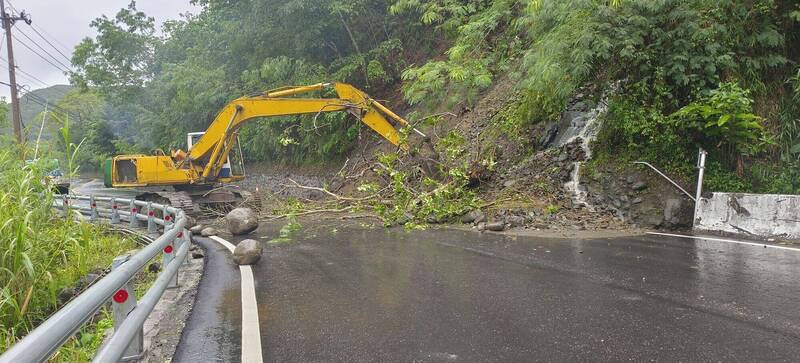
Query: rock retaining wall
[757,215]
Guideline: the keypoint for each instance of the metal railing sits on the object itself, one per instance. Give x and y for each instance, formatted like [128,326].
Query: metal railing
[129,316]
[666,177]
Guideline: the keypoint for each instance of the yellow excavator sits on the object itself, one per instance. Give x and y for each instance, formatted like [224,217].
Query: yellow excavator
[196,178]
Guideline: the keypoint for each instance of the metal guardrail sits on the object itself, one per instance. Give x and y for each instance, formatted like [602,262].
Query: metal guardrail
[129,316]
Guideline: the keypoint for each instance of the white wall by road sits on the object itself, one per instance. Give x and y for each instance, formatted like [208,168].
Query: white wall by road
[758,215]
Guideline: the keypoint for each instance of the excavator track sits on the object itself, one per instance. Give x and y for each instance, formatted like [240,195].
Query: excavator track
[201,203]
[182,200]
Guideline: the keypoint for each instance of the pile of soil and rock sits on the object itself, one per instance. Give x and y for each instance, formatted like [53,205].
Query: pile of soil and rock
[548,188]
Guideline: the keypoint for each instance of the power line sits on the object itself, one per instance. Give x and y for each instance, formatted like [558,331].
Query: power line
[51,44]
[30,76]
[40,56]
[30,96]
[44,50]
[41,48]
[33,77]
[35,27]
[42,102]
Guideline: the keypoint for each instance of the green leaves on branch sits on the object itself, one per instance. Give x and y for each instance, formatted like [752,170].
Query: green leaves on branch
[413,199]
[484,41]
[724,117]
[119,59]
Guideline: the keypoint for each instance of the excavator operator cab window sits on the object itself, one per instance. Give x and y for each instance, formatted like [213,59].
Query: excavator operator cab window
[126,171]
[234,166]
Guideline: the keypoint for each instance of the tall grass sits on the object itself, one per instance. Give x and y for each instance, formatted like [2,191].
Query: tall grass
[40,252]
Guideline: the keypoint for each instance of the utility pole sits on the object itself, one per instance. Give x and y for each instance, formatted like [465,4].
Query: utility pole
[8,21]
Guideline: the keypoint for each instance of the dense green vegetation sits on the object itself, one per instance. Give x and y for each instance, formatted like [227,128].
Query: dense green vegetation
[43,253]
[678,74]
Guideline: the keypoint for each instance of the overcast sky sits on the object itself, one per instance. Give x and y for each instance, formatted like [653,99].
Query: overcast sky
[65,23]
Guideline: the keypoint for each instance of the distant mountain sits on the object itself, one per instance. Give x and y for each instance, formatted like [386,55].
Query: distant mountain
[31,104]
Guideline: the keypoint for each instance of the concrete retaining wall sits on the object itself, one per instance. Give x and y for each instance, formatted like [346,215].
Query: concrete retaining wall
[758,215]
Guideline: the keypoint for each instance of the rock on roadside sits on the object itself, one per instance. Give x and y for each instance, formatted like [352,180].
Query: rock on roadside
[495,226]
[197,229]
[247,252]
[208,232]
[241,221]
[474,216]
[190,222]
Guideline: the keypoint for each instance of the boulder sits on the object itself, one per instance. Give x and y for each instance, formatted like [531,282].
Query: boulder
[154,267]
[196,229]
[190,222]
[405,218]
[208,231]
[242,221]
[433,219]
[495,226]
[247,252]
[474,216]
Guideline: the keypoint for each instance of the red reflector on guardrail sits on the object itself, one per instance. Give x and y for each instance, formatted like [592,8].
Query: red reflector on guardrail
[133,210]
[94,205]
[113,207]
[168,249]
[180,234]
[151,213]
[120,296]
[167,218]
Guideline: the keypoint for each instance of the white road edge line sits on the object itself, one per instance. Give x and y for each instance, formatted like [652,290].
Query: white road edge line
[725,240]
[251,334]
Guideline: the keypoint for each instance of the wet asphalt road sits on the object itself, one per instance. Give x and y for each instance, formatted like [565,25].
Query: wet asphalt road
[352,294]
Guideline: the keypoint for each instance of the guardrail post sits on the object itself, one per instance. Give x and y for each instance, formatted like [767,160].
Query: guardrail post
[134,222]
[166,217]
[151,223]
[167,257]
[122,303]
[701,166]
[167,221]
[93,208]
[114,211]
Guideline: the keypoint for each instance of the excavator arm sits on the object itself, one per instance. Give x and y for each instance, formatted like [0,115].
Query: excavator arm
[211,151]
[188,179]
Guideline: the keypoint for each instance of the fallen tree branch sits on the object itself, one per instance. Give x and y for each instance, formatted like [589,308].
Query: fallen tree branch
[315,211]
[334,195]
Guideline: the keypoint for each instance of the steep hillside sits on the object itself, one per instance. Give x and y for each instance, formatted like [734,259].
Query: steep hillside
[544,102]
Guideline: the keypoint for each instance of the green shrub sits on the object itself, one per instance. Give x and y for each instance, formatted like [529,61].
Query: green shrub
[40,253]
[723,118]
